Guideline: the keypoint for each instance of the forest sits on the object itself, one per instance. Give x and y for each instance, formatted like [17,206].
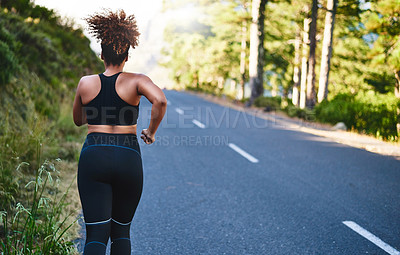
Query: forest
[329,61]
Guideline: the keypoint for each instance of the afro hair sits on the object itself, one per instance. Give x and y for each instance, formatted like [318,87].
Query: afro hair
[116,31]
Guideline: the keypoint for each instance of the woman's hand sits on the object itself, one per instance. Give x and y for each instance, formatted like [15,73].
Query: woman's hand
[147,137]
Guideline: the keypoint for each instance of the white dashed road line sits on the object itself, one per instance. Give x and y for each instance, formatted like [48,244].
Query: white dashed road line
[198,123]
[243,153]
[371,237]
[179,110]
[168,102]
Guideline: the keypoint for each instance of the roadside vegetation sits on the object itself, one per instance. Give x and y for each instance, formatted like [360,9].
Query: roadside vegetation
[42,58]
[329,61]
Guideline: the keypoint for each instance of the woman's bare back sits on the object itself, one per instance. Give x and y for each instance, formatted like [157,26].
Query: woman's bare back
[126,87]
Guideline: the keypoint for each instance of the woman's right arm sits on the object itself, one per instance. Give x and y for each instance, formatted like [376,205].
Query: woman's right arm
[155,95]
[78,111]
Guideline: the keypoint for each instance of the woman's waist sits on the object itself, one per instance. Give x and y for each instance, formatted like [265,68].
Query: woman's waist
[112,129]
[112,139]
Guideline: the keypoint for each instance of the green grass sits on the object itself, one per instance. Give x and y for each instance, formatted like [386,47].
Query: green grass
[36,215]
[38,226]
[43,63]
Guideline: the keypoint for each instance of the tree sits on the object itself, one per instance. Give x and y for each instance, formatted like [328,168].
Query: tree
[243,49]
[204,50]
[326,50]
[243,58]
[383,19]
[310,100]
[229,23]
[351,71]
[256,59]
[280,46]
[296,70]
[304,62]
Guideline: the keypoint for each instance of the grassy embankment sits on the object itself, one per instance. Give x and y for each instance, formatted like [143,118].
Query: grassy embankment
[42,59]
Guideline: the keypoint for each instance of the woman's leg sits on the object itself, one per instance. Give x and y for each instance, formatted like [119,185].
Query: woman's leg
[96,198]
[127,190]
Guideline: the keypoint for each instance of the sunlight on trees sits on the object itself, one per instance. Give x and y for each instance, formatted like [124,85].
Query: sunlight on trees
[353,45]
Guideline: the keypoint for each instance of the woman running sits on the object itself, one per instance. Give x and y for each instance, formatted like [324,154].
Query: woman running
[110,176]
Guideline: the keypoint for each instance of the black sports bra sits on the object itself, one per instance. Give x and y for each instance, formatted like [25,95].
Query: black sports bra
[108,108]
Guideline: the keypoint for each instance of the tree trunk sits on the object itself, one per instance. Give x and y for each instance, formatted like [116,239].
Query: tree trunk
[243,57]
[397,94]
[296,71]
[256,59]
[397,86]
[310,101]
[220,83]
[327,50]
[304,64]
[196,80]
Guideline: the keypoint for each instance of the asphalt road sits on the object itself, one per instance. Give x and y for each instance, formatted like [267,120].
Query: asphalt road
[292,193]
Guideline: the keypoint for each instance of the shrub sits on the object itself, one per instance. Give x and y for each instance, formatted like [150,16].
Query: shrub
[342,108]
[368,112]
[206,87]
[306,114]
[8,62]
[268,103]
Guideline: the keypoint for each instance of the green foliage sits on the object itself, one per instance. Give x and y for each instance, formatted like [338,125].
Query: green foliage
[383,19]
[46,58]
[349,67]
[365,57]
[204,55]
[187,52]
[306,113]
[340,109]
[279,48]
[268,103]
[42,59]
[19,145]
[37,228]
[8,61]
[8,187]
[22,6]
[369,113]
[27,8]
[381,80]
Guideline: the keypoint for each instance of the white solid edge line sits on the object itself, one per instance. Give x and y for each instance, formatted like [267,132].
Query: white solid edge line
[371,237]
[179,110]
[198,123]
[243,153]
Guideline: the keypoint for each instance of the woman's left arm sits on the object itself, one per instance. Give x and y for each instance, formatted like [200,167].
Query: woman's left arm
[78,111]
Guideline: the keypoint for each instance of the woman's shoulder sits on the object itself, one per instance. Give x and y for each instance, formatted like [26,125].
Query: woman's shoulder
[88,78]
[86,81]
[134,75]
[137,78]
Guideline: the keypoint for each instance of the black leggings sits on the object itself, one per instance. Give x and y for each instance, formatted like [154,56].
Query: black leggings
[110,181]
